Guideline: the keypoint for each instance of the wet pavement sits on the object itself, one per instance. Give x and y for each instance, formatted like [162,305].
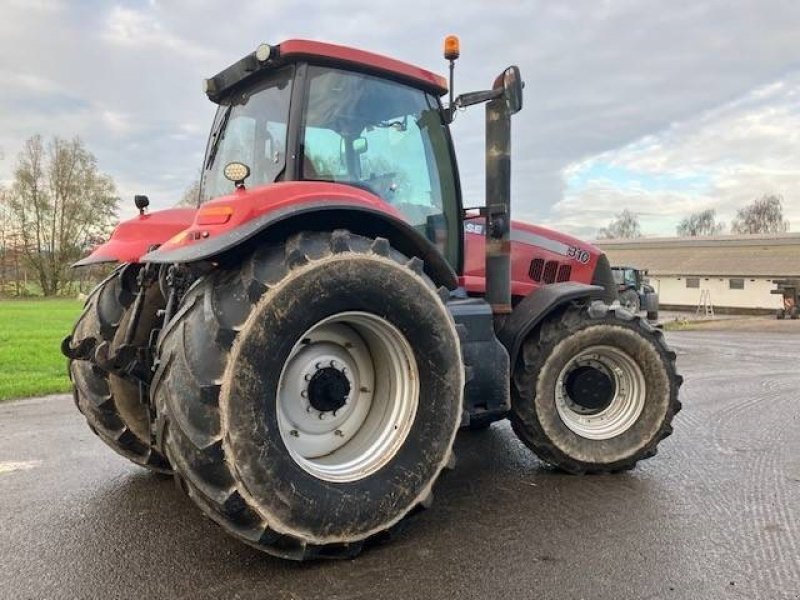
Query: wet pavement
[715,515]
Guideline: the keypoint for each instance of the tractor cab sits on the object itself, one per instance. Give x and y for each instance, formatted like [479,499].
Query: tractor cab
[296,119]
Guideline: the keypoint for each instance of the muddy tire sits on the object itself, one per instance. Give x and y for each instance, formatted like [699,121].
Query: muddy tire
[109,403]
[480,423]
[595,390]
[309,398]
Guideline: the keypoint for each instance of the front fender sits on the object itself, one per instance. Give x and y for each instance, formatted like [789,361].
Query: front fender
[536,306]
[132,239]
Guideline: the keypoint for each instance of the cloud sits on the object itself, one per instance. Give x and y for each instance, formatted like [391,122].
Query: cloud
[601,77]
[721,159]
[139,29]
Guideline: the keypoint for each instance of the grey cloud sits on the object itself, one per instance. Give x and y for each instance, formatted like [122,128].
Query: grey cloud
[600,75]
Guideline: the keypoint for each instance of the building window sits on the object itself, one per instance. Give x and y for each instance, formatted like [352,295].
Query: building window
[692,282]
[736,284]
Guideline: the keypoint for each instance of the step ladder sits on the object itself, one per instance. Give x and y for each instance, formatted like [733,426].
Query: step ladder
[705,308]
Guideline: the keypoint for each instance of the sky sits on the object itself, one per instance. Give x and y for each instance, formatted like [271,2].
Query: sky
[662,107]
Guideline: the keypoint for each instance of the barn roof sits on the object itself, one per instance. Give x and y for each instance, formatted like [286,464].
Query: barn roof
[768,255]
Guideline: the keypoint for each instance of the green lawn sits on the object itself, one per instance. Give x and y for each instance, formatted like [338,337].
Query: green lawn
[31,363]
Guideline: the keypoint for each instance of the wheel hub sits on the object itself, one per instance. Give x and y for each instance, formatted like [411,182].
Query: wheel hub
[600,393]
[328,389]
[590,389]
[347,396]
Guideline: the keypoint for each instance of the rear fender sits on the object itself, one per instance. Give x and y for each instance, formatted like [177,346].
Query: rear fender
[133,238]
[369,217]
[229,226]
[538,305]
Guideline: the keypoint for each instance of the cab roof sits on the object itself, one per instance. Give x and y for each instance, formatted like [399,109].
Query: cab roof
[331,54]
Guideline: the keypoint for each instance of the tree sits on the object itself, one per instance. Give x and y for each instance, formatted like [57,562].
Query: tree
[59,202]
[764,215]
[700,223]
[624,225]
[191,195]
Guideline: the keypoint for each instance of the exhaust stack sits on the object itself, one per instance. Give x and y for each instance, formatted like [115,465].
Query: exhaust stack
[507,101]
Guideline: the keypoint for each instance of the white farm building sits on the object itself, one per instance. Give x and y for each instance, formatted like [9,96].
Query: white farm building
[737,272]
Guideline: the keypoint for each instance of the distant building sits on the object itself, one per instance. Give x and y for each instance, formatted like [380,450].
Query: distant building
[736,270]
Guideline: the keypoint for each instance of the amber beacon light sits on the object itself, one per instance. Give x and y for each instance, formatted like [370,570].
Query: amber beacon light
[451,47]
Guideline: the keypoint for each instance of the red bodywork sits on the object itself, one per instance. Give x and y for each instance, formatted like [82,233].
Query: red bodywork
[299,49]
[133,238]
[538,255]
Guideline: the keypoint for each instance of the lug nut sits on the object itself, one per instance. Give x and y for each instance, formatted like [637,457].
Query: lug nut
[339,433]
[294,433]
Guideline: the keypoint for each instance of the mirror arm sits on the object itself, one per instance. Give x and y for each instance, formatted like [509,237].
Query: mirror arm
[471,98]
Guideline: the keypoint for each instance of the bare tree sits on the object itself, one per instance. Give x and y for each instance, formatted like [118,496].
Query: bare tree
[4,237]
[763,215]
[191,195]
[700,224]
[624,225]
[59,202]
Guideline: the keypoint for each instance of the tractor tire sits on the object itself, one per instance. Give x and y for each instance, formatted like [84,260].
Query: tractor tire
[309,398]
[111,404]
[595,390]
[630,300]
[480,423]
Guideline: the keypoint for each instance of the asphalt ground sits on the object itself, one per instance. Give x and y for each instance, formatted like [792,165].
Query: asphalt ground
[716,514]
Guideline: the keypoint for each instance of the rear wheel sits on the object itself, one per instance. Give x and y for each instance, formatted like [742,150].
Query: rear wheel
[310,397]
[111,404]
[595,390]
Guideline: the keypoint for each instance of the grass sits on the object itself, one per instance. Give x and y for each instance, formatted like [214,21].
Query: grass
[31,363]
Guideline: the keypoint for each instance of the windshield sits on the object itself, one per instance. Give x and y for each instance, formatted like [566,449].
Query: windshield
[387,138]
[250,127]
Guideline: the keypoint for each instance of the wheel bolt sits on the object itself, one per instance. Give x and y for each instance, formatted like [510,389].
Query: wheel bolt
[294,433]
[338,432]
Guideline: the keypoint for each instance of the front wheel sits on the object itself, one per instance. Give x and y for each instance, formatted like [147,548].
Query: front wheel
[595,390]
[309,398]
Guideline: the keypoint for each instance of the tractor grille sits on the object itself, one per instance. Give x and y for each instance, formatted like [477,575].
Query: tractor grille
[549,272]
[537,266]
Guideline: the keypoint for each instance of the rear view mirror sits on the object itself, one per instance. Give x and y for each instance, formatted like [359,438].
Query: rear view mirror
[512,88]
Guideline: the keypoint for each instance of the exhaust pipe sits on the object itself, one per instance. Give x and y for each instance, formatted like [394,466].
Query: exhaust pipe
[507,101]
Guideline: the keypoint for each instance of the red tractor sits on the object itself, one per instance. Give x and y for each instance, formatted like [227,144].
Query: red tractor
[301,349]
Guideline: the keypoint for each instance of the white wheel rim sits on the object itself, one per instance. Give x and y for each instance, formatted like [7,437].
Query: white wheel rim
[622,408]
[347,396]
